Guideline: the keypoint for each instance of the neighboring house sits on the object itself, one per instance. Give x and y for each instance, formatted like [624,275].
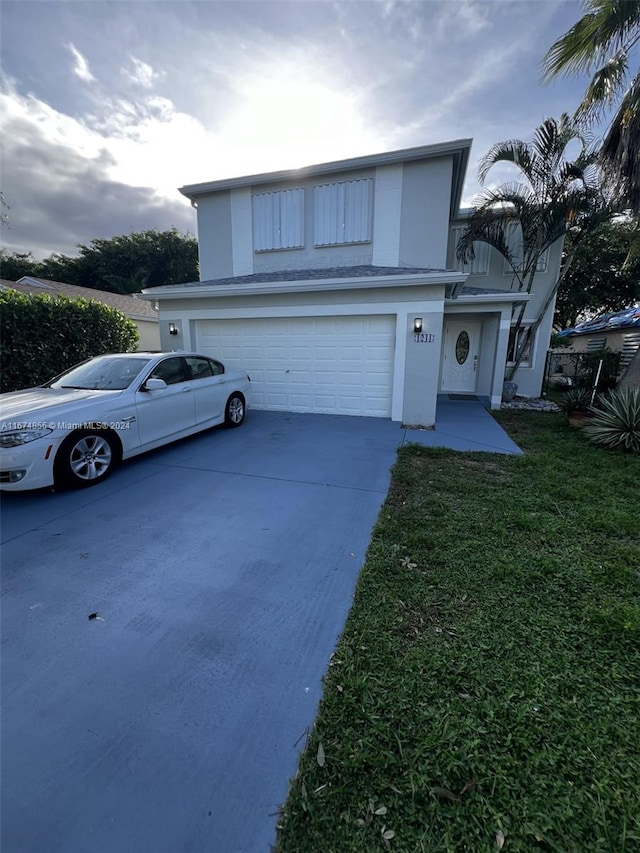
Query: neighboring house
[618,331]
[142,312]
[336,287]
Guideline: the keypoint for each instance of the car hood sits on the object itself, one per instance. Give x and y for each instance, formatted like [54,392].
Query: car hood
[44,404]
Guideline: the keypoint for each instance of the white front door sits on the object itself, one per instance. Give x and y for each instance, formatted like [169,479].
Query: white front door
[460,359]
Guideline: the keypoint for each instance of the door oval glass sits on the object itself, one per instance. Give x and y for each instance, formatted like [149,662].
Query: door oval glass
[462,347]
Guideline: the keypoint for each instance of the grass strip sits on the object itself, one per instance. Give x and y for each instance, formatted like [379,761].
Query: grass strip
[485,692]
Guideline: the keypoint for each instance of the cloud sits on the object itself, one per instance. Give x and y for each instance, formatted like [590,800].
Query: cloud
[80,65]
[464,18]
[140,74]
[58,178]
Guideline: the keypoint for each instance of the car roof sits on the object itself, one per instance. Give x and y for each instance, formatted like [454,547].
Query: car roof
[149,353]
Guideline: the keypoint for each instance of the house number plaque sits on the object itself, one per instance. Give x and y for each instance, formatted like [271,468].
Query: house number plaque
[424,337]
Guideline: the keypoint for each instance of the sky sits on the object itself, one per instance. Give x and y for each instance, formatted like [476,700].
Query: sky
[107,108]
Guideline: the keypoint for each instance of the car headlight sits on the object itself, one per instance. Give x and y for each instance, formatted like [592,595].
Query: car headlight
[22,436]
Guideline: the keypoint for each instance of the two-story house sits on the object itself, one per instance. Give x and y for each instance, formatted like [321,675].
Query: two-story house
[336,287]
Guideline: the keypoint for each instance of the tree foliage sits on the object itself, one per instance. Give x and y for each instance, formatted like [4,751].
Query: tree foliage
[121,264]
[555,195]
[599,279]
[602,43]
[41,336]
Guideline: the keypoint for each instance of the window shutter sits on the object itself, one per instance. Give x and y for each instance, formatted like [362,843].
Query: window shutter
[291,218]
[278,220]
[357,211]
[342,212]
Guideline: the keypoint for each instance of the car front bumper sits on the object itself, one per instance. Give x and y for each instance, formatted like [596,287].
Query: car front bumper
[28,466]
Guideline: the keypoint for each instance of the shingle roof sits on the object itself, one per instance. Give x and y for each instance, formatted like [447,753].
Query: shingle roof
[129,305]
[361,271]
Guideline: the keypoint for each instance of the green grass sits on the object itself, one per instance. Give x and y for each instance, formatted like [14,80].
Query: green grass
[486,688]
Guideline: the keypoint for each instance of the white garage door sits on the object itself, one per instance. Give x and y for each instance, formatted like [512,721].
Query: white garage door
[334,365]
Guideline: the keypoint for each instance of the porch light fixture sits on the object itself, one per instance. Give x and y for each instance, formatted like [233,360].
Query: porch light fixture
[173,329]
[417,325]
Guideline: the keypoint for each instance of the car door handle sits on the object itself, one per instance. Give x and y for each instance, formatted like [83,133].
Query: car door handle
[186,390]
[130,420]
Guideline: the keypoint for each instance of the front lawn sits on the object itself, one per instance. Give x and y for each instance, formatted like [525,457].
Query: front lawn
[485,693]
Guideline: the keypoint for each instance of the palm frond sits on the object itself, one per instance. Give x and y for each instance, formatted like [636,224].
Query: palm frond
[606,86]
[607,27]
[512,151]
[620,153]
[483,227]
[510,198]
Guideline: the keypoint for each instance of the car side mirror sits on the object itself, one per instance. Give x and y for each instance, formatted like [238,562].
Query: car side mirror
[154,385]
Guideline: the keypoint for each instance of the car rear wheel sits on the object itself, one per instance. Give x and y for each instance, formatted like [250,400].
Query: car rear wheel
[84,459]
[234,413]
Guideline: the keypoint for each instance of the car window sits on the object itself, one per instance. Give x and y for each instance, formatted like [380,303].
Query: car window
[218,368]
[201,368]
[170,370]
[104,373]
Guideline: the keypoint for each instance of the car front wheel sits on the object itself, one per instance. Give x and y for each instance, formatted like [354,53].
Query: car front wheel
[234,413]
[84,459]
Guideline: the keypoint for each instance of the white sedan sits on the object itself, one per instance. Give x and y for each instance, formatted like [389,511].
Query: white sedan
[74,429]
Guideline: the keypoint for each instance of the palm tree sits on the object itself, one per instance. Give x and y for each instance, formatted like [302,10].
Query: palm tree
[603,39]
[555,195]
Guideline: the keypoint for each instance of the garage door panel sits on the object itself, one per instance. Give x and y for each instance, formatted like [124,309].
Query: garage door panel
[273,400]
[341,365]
[376,383]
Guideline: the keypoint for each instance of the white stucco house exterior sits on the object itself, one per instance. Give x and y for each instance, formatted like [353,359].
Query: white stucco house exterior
[337,288]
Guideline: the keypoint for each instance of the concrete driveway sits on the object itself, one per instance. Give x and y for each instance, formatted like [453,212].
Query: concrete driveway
[221,571]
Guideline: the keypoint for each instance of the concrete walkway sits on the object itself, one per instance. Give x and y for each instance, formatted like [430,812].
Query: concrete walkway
[219,572]
[464,425]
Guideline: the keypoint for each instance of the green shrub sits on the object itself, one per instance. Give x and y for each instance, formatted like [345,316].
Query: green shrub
[575,400]
[42,335]
[616,421]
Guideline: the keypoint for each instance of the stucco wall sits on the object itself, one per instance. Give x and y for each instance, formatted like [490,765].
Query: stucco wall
[422,366]
[214,236]
[149,331]
[424,226]
[529,379]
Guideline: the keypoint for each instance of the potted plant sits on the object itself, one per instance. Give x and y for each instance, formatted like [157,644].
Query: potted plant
[577,405]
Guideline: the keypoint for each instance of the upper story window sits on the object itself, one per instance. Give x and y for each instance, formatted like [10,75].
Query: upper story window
[342,212]
[480,264]
[514,241]
[278,220]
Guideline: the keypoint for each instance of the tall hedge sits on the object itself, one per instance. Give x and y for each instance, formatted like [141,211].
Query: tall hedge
[41,335]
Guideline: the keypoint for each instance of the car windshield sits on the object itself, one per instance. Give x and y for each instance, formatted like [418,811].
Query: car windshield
[102,374]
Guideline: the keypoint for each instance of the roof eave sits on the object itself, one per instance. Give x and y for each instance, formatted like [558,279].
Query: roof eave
[488,298]
[461,147]
[200,291]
